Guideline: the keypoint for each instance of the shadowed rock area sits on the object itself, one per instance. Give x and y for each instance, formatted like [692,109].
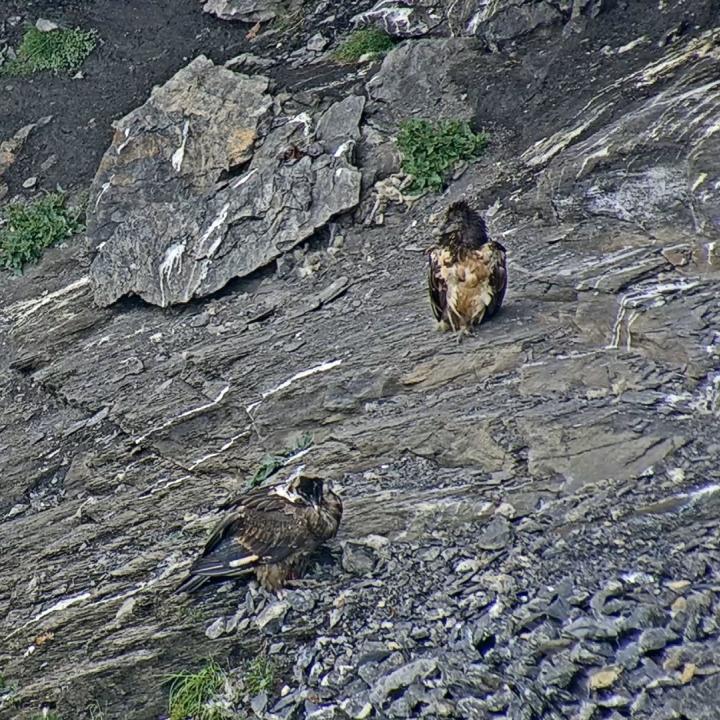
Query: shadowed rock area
[531,516]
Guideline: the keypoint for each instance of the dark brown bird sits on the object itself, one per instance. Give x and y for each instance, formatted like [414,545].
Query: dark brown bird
[467,274]
[270,531]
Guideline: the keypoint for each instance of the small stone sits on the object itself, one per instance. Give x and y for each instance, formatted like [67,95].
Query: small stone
[654,639]
[357,707]
[506,510]
[358,559]
[614,700]
[604,678]
[679,585]
[44,25]
[125,609]
[199,320]
[259,703]
[688,673]
[468,565]
[31,182]
[319,712]
[48,163]
[402,677]
[317,43]
[496,535]
[216,629]
[678,607]
[272,615]
[677,475]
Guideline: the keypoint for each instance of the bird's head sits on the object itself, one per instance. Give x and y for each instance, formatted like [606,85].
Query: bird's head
[308,487]
[460,226]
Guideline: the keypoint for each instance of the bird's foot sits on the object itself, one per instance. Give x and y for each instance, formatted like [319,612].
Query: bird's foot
[460,335]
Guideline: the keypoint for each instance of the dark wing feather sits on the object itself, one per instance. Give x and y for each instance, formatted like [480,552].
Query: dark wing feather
[264,528]
[498,278]
[437,287]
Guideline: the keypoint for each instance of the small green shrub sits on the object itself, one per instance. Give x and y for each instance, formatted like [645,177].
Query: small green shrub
[26,230]
[55,50]
[431,150]
[367,40]
[272,463]
[191,693]
[260,675]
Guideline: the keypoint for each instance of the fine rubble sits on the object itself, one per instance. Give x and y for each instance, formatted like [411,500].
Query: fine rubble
[531,517]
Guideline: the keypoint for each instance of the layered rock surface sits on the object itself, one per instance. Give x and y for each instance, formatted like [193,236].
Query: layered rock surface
[531,523]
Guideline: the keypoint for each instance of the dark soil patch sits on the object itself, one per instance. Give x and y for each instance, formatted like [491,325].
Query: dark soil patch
[141,44]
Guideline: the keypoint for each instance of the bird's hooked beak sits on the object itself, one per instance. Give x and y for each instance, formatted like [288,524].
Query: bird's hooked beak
[294,475]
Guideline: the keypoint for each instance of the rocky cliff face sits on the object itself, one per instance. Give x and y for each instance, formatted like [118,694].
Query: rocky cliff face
[531,525]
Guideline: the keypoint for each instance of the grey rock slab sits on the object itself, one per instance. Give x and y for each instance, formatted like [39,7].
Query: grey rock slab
[340,123]
[167,229]
[402,18]
[402,678]
[420,79]
[245,10]
[500,22]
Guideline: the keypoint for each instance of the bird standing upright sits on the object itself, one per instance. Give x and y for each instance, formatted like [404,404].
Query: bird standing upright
[467,274]
[270,531]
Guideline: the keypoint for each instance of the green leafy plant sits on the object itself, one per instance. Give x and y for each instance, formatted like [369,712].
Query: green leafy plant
[60,49]
[27,229]
[260,675]
[361,42]
[270,464]
[431,150]
[192,693]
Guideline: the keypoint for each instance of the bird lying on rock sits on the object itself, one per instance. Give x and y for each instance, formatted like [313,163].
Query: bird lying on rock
[467,274]
[270,531]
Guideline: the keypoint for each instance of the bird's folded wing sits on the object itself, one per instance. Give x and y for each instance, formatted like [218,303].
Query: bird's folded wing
[437,287]
[250,537]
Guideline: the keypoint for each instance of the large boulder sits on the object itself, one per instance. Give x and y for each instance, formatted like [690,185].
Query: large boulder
[183,201]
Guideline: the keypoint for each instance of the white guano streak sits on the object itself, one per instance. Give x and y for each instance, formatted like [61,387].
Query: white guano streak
[323,367]
[188,413]
[23,309]
[179,155]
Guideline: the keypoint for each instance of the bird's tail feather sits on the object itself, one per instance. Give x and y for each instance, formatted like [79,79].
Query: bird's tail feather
[190,584]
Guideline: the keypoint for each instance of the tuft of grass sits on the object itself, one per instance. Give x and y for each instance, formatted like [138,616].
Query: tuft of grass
[60,49]
[27,229]
[191,693]
[270,464]
[431,150]
[260,675]
[361,42]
